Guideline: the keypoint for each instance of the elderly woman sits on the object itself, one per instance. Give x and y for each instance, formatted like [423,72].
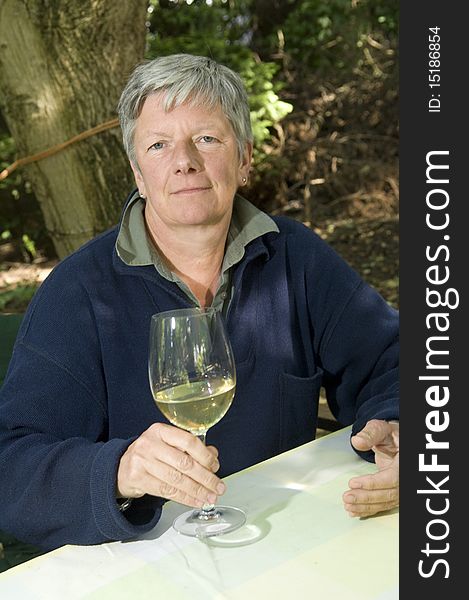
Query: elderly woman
[79,430]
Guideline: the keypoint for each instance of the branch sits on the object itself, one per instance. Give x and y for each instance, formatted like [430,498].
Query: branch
[21,162]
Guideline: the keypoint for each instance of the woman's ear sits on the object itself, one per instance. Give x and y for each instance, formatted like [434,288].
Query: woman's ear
[138,180]
[245,164]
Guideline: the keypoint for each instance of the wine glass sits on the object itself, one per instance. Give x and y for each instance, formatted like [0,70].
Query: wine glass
[193,379]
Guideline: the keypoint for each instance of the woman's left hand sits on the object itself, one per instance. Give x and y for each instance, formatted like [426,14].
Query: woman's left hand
[378,492]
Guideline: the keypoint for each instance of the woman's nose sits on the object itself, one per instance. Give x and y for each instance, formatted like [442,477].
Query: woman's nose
[187,158]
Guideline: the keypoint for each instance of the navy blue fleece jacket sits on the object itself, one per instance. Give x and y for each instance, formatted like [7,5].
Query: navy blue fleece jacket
[77,392]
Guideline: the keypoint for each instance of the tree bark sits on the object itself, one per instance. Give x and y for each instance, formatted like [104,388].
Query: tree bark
[63,65]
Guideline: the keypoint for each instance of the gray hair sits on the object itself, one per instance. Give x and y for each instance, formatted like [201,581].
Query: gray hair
[185,78]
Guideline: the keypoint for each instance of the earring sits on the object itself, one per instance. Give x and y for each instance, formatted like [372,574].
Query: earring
[244,180]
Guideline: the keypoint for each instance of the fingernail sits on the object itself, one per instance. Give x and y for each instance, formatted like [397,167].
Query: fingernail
[355,484]
[211,498]
[349,498]
[221,488]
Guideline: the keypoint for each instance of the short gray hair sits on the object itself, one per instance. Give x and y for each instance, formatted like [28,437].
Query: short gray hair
[197,80]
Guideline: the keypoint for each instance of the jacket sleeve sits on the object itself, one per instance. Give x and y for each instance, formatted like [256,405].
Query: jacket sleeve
[361,359]
[57,467]
[356,341]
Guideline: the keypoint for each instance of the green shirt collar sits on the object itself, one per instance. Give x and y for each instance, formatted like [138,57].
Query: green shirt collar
[135,248]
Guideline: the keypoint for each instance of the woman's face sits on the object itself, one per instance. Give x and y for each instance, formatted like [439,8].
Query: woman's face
[189,167]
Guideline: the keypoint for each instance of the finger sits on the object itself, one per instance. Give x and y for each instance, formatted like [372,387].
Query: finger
[134,469]
[162,470]
[187,442]
[213,450]
[374,433]
[381,480]
[216,464]
[184,490]
[161,489]
[362,497]
[367,510]
[179,470]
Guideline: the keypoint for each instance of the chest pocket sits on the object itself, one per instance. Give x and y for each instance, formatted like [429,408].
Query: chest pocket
[299,398]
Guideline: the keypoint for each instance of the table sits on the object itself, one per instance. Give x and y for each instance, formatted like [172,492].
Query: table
[298,543]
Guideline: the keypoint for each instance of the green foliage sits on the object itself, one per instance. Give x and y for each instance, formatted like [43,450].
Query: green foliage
[176,27]
[9,219]
[17,298]
[21,221]
[15,552]
[29,244]
[7,150]
[329,37]
[221,20]
[334,60]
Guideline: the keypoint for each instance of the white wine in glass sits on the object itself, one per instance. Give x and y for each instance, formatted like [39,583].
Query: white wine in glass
[193,381]
[197,405]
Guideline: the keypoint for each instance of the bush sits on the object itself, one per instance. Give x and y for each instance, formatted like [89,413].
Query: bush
[176,27]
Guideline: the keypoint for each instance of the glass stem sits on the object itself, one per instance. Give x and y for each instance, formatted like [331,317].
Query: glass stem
[207,510]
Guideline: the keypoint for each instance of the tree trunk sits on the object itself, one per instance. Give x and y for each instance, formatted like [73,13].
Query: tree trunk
[63,65]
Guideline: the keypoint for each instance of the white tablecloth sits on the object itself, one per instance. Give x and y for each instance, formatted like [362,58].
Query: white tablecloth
[298,543]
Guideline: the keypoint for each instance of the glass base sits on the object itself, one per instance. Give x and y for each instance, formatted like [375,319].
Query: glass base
[222,519]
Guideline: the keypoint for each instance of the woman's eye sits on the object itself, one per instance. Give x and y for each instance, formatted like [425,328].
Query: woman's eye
[208,139]
[156,146]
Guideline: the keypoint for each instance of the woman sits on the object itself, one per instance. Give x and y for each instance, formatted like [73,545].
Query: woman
[79,430]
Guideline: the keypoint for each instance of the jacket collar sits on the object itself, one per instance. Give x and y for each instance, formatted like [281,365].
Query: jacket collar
[247,231]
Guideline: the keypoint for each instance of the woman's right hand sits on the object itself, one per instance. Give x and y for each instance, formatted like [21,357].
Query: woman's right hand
[170,463]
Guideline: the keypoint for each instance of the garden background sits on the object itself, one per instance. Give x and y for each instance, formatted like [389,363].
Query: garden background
[322,77]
